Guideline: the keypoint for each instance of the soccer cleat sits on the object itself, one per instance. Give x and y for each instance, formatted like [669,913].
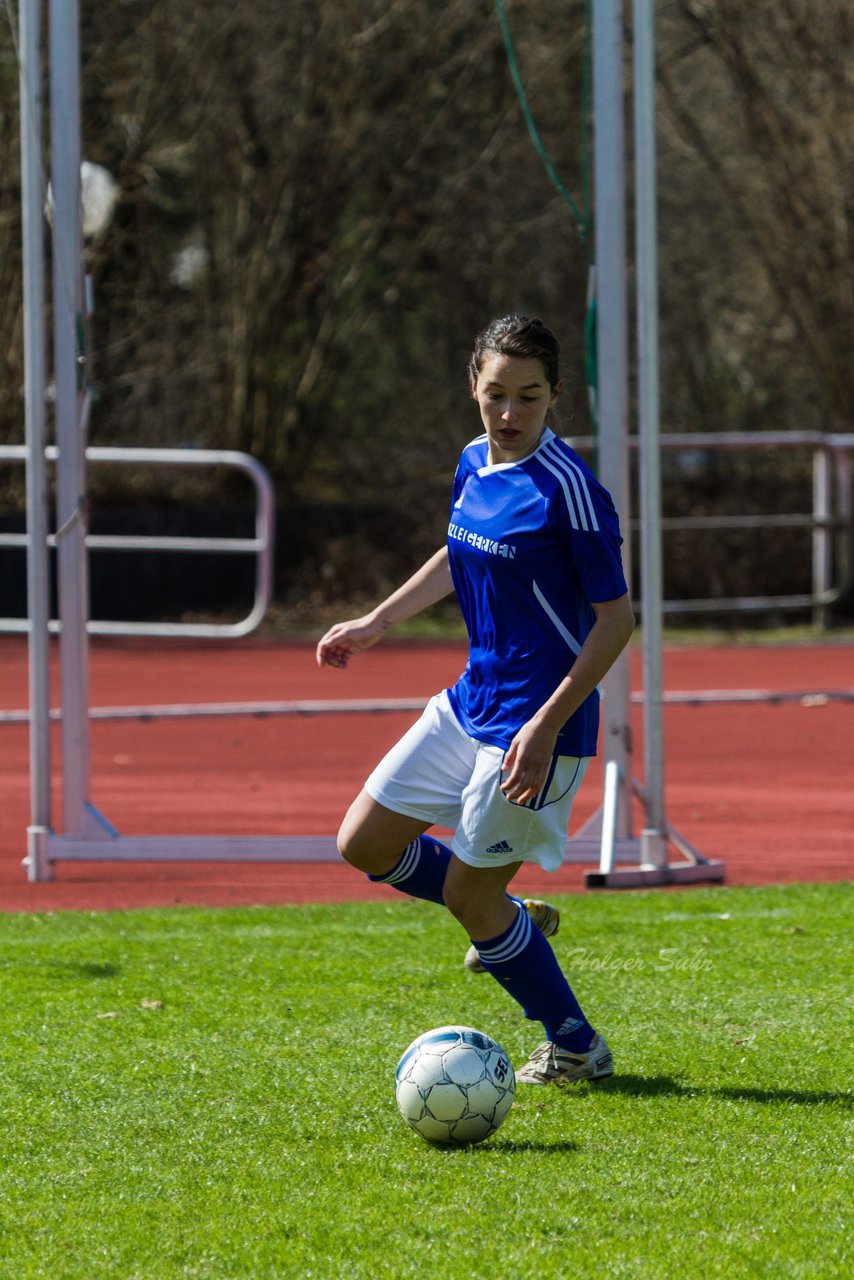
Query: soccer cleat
[544,916]
[549,1064]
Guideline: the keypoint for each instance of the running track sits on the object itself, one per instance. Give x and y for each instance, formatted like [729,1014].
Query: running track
[768,788]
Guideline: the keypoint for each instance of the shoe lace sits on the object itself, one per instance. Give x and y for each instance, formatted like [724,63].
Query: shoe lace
[543,1056]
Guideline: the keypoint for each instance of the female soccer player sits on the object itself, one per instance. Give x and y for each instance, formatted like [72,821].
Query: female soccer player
[533,554]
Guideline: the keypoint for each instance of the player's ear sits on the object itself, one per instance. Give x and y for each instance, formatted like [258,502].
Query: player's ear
[556,391]
[473,386]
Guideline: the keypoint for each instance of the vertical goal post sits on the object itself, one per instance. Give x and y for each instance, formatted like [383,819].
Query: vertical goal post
[611,827]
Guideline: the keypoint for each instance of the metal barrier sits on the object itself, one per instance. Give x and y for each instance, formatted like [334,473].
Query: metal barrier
[261,546]
[832,513]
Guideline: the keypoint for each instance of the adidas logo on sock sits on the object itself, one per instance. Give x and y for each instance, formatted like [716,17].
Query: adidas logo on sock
[501,847]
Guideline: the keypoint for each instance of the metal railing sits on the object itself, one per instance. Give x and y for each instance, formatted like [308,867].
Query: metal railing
[830,522]
[831,519]
[261,545]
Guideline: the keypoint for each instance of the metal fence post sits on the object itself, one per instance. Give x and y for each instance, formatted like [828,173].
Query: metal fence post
[612,345]
[821,535]
[69,412]
[38,565]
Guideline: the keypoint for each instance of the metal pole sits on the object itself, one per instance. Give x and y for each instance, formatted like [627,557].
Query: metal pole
[844,543]
[612,323]
[38,565]
[653,838]
[70,421]
[821,535]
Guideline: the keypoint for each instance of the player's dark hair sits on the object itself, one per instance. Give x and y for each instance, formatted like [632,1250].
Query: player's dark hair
[517,336]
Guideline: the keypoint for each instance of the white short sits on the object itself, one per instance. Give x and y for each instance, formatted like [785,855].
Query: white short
[438,774]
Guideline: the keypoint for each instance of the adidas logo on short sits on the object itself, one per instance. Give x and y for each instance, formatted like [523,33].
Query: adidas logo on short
[501,847]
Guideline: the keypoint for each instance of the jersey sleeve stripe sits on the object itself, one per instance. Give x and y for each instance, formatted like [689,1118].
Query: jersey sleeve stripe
[565,635]
[579,484]
[570,505]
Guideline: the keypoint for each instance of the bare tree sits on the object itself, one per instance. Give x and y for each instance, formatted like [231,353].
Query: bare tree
[321,202]
[757,123]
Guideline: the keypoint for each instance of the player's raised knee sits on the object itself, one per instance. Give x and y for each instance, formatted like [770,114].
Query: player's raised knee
[350,846]
[358,846]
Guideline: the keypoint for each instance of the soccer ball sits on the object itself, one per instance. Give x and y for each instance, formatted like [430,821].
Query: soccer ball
[454,1085]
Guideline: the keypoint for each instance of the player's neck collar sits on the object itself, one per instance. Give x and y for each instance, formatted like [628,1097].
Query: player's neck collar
[490,467]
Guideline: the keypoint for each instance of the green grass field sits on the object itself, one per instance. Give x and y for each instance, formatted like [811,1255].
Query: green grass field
[195,1093]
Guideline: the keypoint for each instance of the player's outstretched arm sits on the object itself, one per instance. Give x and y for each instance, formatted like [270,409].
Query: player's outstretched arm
[431,583]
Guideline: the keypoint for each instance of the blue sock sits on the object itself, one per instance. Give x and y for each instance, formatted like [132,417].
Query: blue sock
[420,871]
[523,963]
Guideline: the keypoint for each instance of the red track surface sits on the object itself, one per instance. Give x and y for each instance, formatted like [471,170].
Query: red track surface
[768,788]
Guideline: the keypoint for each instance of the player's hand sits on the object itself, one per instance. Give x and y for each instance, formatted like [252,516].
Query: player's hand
[345,639]
[527,761]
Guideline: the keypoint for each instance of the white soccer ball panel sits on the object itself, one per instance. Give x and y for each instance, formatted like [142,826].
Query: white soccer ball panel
[426,1070]
[446,1102]
[464,1065]
[409,1100]
[473,1129]
[502,1107]
[433,1130]
[483,1097]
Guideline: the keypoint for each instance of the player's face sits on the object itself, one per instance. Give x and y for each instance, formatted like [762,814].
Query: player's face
[514,396]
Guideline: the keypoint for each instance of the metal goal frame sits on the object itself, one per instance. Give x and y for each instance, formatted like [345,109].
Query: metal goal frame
[86,834]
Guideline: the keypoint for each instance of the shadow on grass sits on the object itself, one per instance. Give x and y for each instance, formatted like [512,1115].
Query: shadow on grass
[661,1086]
[552,1148]
[507,1146]
[84,969]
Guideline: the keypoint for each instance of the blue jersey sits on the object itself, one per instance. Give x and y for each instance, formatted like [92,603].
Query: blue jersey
[532,545]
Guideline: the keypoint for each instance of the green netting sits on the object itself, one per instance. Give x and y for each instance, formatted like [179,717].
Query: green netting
[582,218]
